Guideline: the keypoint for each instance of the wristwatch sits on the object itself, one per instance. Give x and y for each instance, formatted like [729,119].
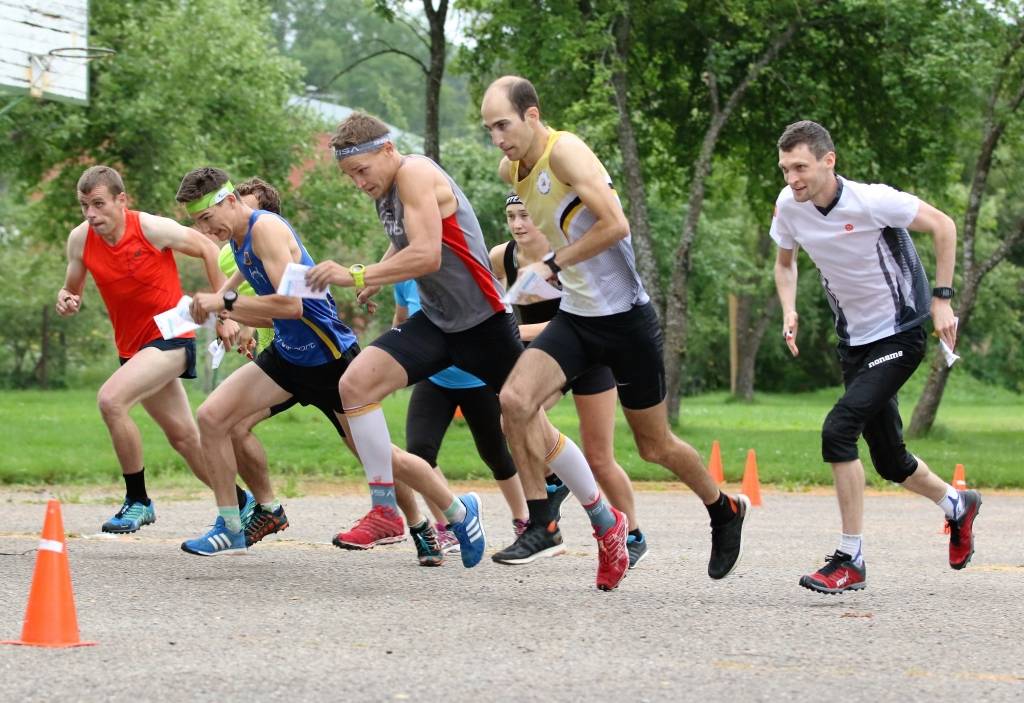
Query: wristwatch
[229,299]
[358,272]
[549,259]
[943,292]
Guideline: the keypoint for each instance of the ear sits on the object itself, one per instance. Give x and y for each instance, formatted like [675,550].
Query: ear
[533,114]
[829,159]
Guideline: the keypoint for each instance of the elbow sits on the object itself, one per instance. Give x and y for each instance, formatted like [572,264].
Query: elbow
[621,229]
[295,309]
[430,263]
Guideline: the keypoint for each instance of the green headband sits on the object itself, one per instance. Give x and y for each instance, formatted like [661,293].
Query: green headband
[210,199]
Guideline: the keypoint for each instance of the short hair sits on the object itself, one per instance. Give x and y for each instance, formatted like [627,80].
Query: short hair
[816,137]
[266,195]
[358,128]
[199,182]
[95,176]
[521,94]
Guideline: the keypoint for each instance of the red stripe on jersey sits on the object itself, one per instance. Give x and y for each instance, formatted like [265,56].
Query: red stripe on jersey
[453,236]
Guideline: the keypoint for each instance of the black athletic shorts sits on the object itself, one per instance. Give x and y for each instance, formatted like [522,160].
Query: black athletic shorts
[629,343]
[488,351]
[186,343]
[309,385]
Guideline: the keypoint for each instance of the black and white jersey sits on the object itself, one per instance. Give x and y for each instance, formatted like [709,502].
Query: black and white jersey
[870,270]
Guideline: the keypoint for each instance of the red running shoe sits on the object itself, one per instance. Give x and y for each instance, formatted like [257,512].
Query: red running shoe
[612,555]
[961,532]
[382,525]
[839,574]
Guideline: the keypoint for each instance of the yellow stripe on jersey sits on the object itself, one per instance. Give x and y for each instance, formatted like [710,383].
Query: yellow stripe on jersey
[331,346]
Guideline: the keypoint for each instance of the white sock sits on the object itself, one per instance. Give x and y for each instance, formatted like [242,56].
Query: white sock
[853,545]
[566,460]
[951,503]
[369,430]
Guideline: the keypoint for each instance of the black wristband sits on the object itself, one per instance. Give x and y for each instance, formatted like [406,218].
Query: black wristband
[549,259]
[943,292]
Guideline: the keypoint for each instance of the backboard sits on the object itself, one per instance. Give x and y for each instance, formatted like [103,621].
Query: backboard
[29,31]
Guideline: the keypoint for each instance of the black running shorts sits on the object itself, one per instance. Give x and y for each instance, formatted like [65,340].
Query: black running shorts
[186,343]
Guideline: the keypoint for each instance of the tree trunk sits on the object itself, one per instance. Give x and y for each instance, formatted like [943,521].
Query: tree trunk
[42,366]
[438,54]
[636,193]
[753,315]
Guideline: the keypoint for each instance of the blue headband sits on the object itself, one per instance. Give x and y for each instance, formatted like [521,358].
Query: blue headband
[343,152]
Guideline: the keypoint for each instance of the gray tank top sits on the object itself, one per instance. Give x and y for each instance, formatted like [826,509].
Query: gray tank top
[463,292]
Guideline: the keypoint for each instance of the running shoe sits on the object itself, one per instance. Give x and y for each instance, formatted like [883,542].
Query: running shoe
[961,532]
[382,525]
[246,511]
[612,555]
[132,515]
[637,549]
[449,542]
[470,532]
[263,523]
[839,574]
[519,526]
[428,548]
[727,540]
[534,543]
[219,540]
[556,496]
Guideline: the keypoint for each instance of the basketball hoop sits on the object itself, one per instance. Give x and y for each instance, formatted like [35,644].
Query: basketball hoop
[39,64]
[81,53]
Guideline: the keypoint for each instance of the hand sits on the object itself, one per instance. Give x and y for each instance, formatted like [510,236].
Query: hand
[944,321]
[790,324]
[541,269]
[327,273]
[246,343]
[67,302]
[205,304]
[365,298]
[228,331]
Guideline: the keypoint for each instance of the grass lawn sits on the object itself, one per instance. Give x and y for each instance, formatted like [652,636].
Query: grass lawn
[57,437]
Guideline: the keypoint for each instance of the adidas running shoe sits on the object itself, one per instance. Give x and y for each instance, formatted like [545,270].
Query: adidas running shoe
[219,540]
[470,532]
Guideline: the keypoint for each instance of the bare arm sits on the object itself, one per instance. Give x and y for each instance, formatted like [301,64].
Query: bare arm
[69,297]
[943,231]
[497,255]
[785,285]
[165,233]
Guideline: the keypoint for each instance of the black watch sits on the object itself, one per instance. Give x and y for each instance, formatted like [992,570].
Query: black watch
[229,299]
[943,292]
[549,259]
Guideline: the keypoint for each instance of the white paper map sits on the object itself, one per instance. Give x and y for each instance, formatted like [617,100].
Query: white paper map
[293,283]
[950,356]
[216,351]
[529,288]
[177,321]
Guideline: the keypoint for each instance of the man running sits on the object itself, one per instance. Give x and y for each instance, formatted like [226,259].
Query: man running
[436,240]
[593,392]
[311,347]
[130,255]
[856,234]
[605,316]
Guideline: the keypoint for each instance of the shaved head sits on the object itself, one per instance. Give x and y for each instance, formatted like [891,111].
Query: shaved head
[518,91]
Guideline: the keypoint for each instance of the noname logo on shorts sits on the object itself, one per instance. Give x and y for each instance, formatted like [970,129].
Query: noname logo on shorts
[887,357]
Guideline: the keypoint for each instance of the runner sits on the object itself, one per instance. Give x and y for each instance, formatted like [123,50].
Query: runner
[856,234]
[605,316]
[436,240]
[432,407]
[130,255]
[593,392]
[311,347]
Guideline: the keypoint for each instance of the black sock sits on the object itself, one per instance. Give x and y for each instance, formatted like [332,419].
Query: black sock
[540,512]
[721,511]
[135,486]
[242,498]
[637,534]
[553,480]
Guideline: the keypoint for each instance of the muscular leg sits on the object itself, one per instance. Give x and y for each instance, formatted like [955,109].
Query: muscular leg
[145,374]
[597,437]
[849,479]
[170,410]
[251,457]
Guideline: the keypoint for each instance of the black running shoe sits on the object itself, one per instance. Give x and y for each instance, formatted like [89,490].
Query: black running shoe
[428,546]
[556,496]
[637,549]
[535,542]
[727,541]
[263,523]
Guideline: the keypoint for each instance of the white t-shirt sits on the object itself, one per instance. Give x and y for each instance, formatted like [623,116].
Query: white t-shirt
[870,270]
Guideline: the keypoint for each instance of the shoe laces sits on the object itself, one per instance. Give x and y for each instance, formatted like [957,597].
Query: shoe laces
[378,517]
[834,562]
[132,510]
[427,540]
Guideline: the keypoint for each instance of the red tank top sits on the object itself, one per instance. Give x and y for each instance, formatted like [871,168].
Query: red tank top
[136,281]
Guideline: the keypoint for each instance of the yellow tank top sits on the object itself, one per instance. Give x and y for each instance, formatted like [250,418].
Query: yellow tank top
[605,284]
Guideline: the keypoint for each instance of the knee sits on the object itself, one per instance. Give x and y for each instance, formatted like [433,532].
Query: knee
[110,405]
[211,420]
[516,407]
[654,449]
[183,438]
[601,461]
[838,438]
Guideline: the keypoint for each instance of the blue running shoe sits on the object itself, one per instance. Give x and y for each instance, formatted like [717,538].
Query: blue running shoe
[246,512]
[132,515]
[470,532]
[219,540]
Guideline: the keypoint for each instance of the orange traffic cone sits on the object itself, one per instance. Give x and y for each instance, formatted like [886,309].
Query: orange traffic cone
[959,484]
[458,412]
[715,467]
[50,619]
[751,484]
